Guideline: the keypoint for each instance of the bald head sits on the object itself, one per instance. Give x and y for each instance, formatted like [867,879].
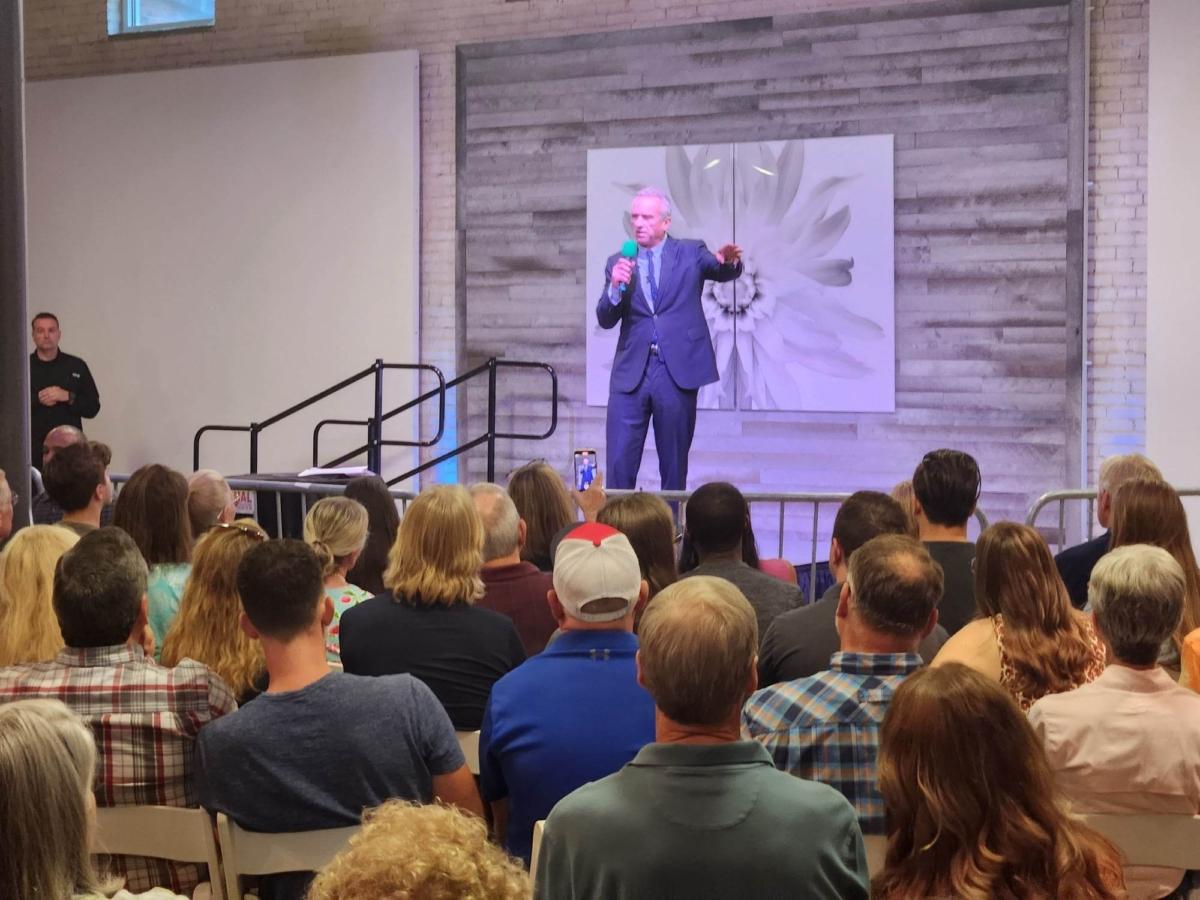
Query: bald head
[56,439]
[895,586]
[502,531]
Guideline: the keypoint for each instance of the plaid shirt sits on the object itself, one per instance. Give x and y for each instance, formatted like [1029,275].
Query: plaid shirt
[826,727]
[145,719]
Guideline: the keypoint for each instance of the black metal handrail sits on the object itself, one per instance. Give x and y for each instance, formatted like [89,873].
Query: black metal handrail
[375,442]
[374,425]
[491,436]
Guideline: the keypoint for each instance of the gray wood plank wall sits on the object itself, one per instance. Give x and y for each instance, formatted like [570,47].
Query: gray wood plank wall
[986,101]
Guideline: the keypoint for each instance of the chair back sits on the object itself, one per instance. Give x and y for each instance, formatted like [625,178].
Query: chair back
[254,853]
[163,832]
[469,741]
[1152,840]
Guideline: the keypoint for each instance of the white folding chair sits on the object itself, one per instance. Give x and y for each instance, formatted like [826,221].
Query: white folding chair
[469,741]
[876,847]
[254,853]
[1152,840]
[163,832]
[538,827]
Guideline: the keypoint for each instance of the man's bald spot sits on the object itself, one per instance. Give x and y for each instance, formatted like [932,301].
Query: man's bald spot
[57,438]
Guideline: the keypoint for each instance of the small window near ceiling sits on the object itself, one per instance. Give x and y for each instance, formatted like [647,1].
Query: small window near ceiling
[135,16]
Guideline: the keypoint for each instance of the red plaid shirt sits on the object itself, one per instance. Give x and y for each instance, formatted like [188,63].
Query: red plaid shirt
[145,719]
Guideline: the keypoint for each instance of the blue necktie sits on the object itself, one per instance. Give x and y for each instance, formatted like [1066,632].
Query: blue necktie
[653,279]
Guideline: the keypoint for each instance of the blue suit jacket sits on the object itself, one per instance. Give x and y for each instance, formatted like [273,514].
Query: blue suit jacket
[683,339]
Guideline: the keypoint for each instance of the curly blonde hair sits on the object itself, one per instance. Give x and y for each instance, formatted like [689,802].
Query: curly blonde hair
[207,628]
[416,852]
[438,551]
[28,626]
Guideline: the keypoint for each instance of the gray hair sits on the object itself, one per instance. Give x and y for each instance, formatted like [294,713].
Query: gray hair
[47,759]
[659,194]
[501,521]
[1116,470]
[1136,593]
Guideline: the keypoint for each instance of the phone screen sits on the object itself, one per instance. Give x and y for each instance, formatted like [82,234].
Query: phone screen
[586,462]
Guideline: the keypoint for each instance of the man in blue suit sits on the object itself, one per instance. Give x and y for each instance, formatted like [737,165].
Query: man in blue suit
[664,353]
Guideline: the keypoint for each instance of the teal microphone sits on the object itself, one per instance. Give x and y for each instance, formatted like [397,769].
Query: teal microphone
[629,250]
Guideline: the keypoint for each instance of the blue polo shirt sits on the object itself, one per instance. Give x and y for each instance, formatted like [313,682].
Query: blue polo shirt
[572,714]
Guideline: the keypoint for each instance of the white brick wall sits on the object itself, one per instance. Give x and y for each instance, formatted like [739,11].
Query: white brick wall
[66,38]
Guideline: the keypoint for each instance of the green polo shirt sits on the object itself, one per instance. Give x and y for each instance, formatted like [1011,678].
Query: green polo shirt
[702,821]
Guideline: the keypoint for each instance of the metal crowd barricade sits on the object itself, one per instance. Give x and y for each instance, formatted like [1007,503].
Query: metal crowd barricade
[677,500]
[1063,497]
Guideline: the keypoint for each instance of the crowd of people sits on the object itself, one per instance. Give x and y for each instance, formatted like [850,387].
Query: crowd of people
[660,696]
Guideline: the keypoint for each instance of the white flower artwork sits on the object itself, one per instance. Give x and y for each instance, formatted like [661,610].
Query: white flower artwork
[810,325]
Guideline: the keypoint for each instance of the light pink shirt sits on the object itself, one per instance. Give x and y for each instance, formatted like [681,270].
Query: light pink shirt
[1127,742]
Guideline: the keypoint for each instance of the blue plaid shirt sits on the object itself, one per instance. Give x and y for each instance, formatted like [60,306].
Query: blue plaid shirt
[826,727]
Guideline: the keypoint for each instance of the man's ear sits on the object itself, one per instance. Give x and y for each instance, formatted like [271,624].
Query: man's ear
[522,534]
[556,607]
[637,661]
[917,510]
[143,615]
[643,596]
[843,608]
[247,626]
[930,625]
[836,558]
[326,610]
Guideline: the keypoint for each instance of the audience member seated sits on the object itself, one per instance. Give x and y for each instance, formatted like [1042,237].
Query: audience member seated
[1030,639]
[1190,677]
[152,509]
[320,746]
[7,502]
[646,520]
[210,501]
[826,727]
[800,643]
[776,568]
[945,490]
[701,813]
[383,522]
[574,713]
[47,764]
[144,717]
[423,853]
[28,628]
[1150,512]
[512,586]
[336,529]
[208,627]
[426,624]
[717,518]
[902,493]
[545,506]
[972,808]
[45,510]
[1075,563]
[77,481]
[1129,742]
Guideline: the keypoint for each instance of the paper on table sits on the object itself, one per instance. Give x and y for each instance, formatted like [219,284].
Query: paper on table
[343,472]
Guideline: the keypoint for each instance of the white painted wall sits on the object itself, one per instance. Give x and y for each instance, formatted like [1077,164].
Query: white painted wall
[1173,286]
[220,243]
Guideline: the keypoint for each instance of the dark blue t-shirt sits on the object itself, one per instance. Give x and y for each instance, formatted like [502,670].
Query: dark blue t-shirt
[572,714]
[317,757]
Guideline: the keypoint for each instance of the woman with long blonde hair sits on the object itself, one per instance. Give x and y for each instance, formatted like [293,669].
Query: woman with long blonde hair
[1030,638]
[208,625]
[336,529]
[973,812]
[1150,512]
[426,624]
[28,626]
[47,763]
[542,499]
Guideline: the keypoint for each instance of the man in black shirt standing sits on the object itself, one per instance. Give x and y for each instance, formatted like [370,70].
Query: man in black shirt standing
[62,391]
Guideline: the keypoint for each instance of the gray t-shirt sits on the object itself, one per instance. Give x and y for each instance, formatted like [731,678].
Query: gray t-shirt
[770,596]
[958,594]
[317,757]
[702,821]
